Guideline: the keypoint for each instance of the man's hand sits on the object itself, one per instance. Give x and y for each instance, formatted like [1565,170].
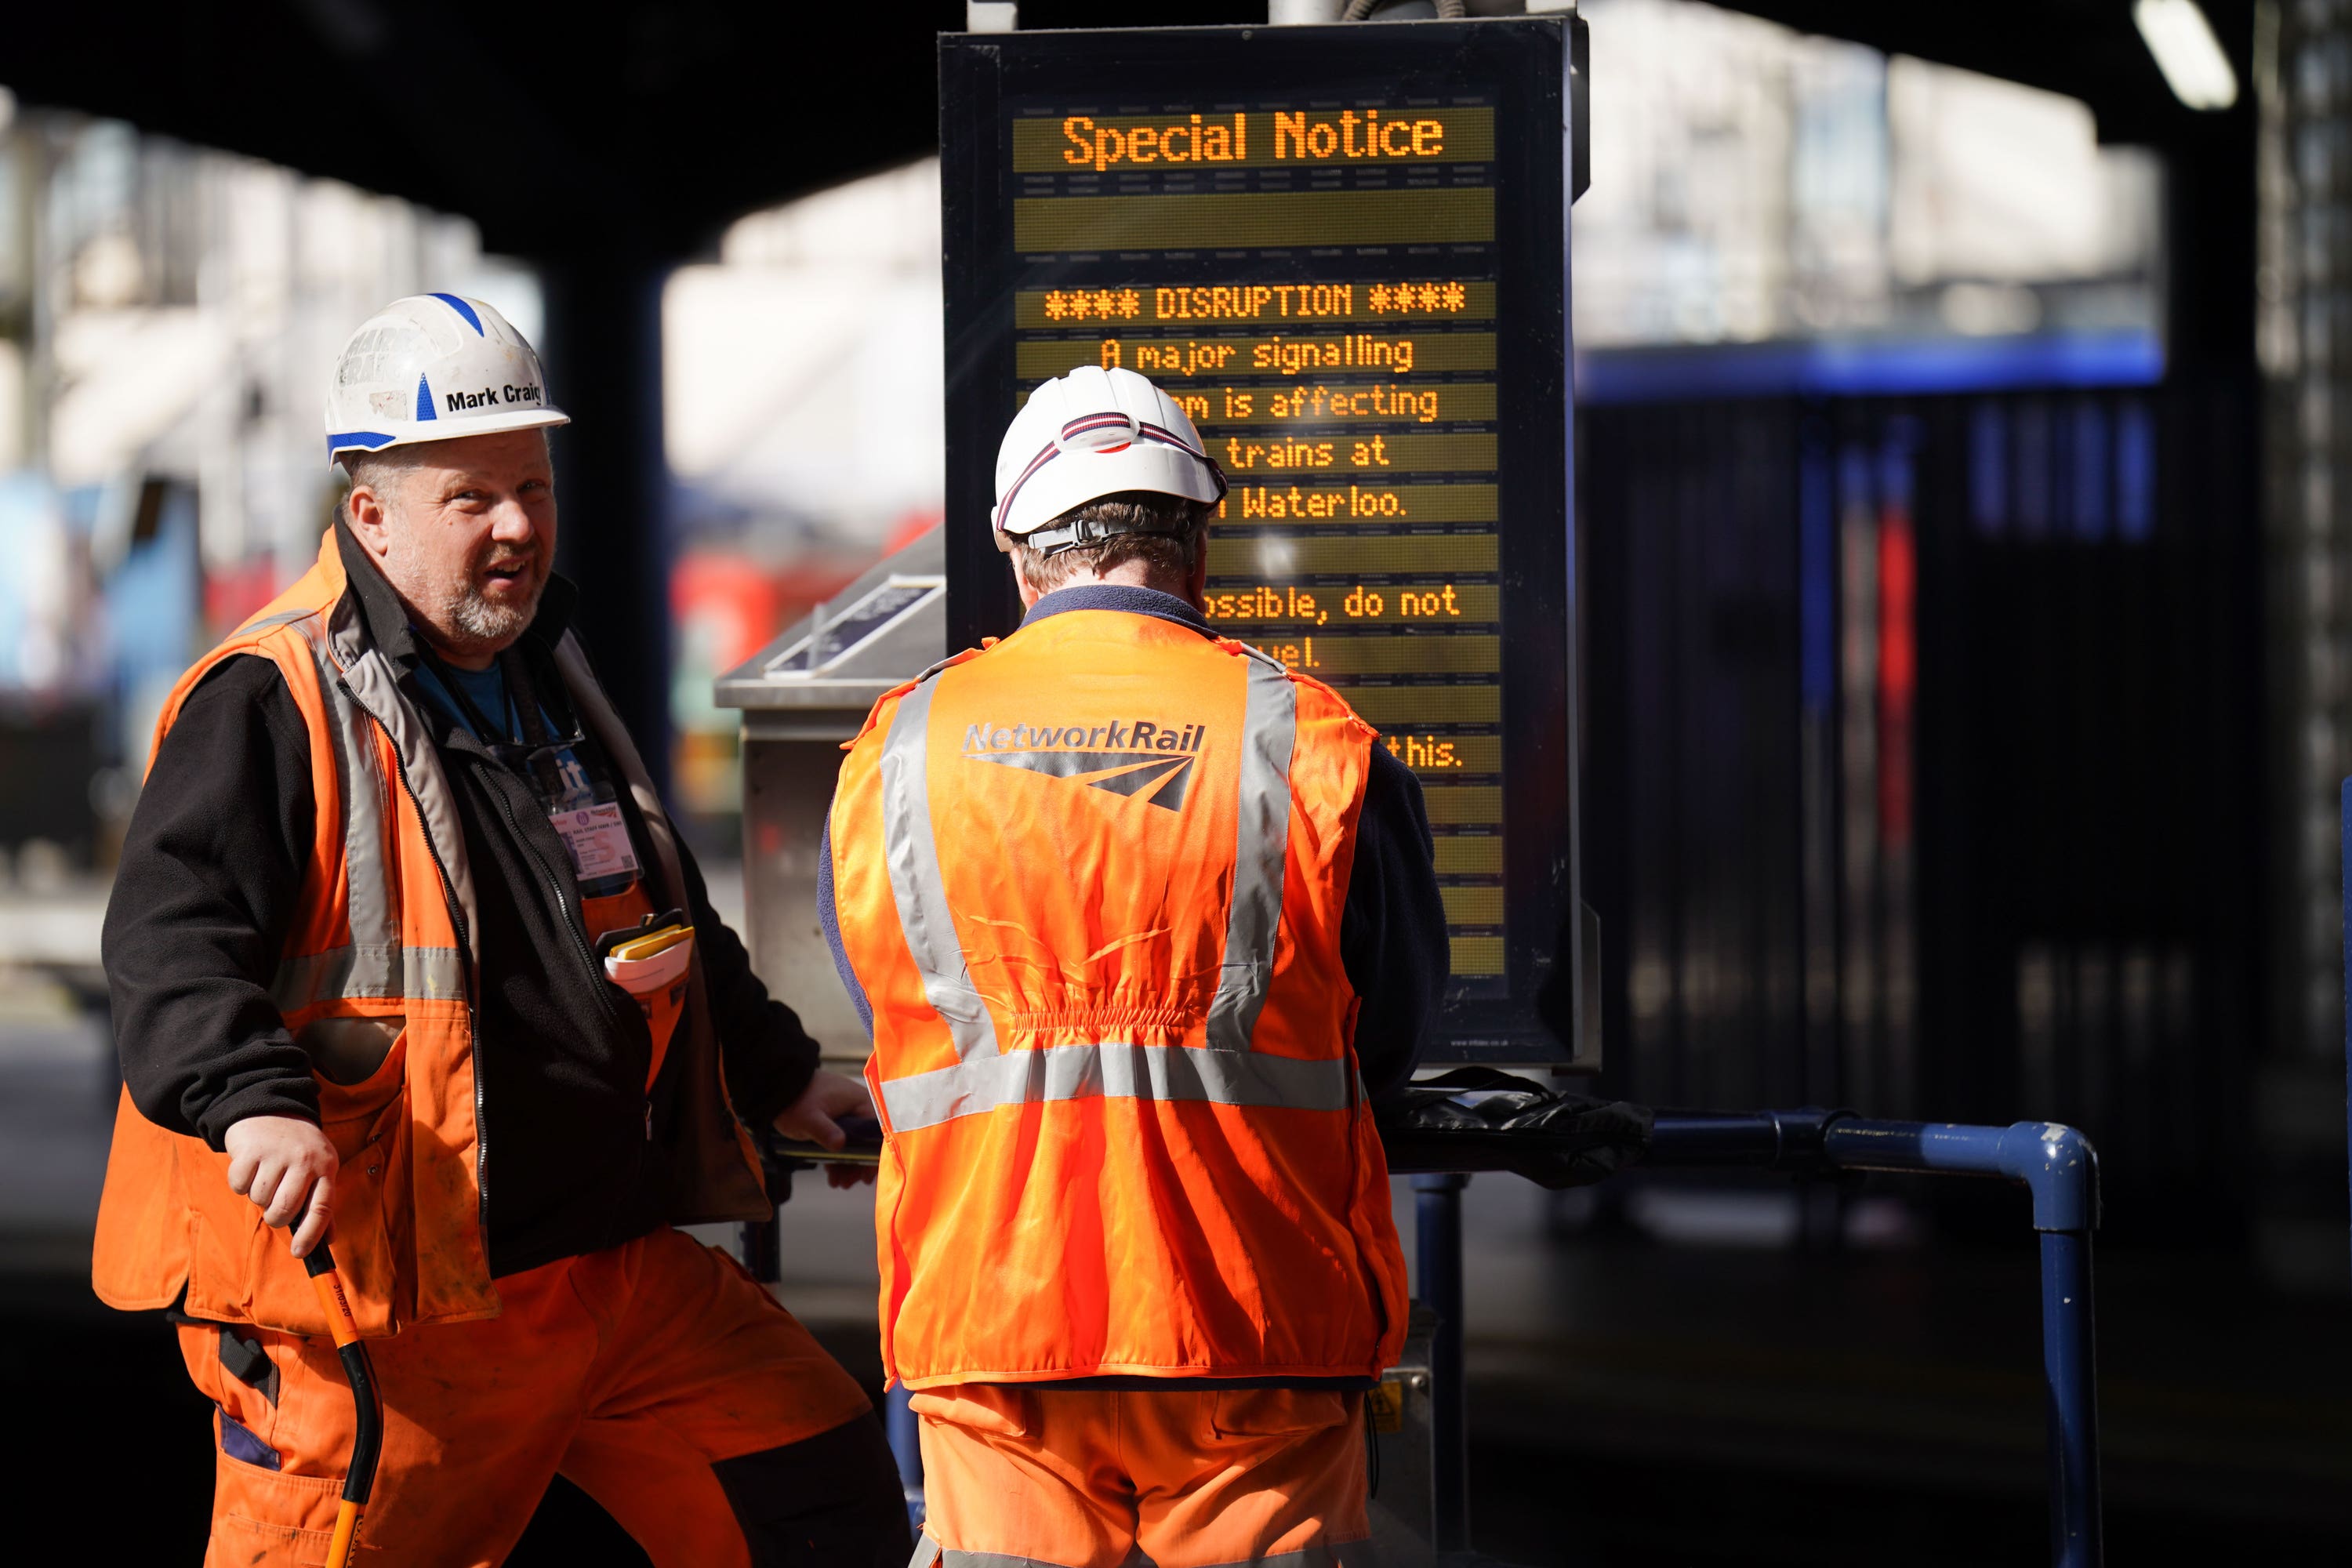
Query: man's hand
[286,1166]
[811,1120]
[810,1117]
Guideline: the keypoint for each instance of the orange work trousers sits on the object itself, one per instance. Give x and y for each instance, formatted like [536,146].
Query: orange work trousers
[1031,1474]
[632,1371]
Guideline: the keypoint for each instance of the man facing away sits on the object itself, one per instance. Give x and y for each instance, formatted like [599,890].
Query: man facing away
[402,944]
[1140,920]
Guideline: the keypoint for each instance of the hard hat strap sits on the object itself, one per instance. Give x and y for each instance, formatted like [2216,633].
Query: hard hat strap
[1054,540]
[1080,531]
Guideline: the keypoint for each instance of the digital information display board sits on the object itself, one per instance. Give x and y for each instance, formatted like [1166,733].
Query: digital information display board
[1343,250]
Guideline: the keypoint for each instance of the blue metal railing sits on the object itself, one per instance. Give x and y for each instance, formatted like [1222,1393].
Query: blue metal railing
[2056,1165]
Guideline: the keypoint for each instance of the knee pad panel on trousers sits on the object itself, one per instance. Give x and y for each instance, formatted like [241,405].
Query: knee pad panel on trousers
[829,1502]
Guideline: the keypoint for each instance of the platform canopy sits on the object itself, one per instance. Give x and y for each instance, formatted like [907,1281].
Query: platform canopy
[647,126]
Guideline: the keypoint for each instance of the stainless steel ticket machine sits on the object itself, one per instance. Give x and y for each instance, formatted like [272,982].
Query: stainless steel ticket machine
[802,696]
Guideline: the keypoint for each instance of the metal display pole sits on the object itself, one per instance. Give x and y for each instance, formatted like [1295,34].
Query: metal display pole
[1437,1238]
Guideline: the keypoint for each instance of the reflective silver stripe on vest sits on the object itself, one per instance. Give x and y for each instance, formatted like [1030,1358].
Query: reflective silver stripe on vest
[1118,1071]
[1228,1071]
[916,884]
[1261,842]
[375,964]
[267,623]
[370,681]
[367,804]
[371,971]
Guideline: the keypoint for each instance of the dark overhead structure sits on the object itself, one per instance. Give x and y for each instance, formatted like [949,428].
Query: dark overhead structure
[558,129]
[2090,49]
[606,144]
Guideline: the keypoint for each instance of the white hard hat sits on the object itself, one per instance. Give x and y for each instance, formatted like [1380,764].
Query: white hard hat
[433,367]
[1088,435]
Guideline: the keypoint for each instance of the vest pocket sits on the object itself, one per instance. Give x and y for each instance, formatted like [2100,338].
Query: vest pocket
[368,1124]
[243,1270]
[351,1052]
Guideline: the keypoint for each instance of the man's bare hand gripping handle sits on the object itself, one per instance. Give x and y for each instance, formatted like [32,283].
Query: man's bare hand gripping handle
[287,1167]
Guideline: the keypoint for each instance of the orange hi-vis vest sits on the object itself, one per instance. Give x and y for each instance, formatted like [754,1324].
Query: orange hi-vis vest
[1090,880]
[383,937]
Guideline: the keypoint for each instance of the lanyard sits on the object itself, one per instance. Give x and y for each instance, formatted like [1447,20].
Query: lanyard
[537,756]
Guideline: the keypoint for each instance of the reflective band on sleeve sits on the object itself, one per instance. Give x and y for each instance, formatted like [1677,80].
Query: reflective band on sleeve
[1269,733]
[916,884]
[372,971]
[1118,1072]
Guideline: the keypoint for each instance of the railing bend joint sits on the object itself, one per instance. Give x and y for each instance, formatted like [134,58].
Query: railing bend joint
[2058,1166]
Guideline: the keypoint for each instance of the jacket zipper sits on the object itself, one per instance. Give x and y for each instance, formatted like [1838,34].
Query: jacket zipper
[571,921]
[465,973]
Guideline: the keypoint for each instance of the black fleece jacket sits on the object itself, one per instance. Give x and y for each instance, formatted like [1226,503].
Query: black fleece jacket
[212,873]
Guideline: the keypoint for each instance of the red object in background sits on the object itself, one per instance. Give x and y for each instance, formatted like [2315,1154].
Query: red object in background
[910,528]
[1898,670]
[730,593]
[743,603]
[233,595]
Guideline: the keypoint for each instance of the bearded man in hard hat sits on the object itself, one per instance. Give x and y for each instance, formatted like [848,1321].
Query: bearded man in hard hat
[404,947]
[1142,920]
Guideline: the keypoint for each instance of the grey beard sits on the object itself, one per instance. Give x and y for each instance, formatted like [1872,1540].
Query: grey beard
[484,622]
[464,610]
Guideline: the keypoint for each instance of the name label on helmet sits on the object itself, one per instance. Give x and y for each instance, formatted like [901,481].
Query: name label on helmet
[492,396]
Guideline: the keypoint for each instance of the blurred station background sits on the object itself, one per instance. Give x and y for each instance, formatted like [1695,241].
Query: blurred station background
[1966,465]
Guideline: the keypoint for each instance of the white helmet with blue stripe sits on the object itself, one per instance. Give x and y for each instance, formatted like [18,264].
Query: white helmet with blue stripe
[433,367]
[1088,435]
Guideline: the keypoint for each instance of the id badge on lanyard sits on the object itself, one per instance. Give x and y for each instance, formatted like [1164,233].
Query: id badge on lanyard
[595,834]
[597,839]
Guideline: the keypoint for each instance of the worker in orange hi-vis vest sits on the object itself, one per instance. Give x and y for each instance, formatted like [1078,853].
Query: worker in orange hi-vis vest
[1142,922]
[402,944]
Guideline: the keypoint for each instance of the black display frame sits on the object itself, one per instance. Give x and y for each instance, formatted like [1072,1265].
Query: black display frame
[1528,65]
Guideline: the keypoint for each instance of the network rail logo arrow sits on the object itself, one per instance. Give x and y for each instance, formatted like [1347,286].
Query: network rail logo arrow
[1142,758]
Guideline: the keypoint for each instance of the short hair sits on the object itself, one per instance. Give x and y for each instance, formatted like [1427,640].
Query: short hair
[1166,532]
[383,470]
